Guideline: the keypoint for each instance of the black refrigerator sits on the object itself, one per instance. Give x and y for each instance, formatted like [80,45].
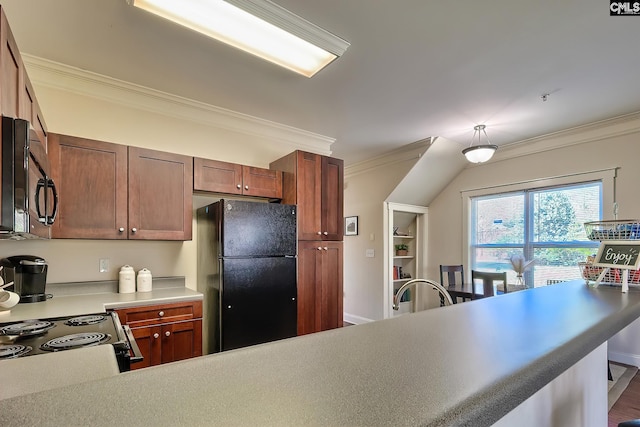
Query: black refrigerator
[247,272]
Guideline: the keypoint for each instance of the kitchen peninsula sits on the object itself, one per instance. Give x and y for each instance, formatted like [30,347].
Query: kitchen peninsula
[467,364]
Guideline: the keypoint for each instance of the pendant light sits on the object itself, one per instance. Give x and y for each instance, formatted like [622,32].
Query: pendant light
[482,152]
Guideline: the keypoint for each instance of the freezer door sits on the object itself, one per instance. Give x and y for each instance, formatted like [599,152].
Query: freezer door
[250,229]
[258,301]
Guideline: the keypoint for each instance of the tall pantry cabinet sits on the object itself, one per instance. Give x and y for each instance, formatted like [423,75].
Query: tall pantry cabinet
[315,183]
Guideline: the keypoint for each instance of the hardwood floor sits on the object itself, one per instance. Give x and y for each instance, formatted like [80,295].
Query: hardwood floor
[627,407]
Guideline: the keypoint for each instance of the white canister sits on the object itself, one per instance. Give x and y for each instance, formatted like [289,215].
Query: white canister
[144,280]
[127,283]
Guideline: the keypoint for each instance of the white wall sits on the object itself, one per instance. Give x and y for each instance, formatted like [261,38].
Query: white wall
[446,214]
[128,115]
[364,195]
[609,145]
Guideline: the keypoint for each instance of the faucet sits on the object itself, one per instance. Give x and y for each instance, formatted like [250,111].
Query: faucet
[443,292]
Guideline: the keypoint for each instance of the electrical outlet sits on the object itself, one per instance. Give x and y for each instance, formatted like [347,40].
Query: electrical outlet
[104,265]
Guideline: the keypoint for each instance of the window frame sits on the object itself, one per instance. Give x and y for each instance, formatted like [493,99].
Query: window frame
[606,177]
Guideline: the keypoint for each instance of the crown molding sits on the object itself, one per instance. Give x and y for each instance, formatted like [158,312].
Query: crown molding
[596,131]
[415,150]
[70,79]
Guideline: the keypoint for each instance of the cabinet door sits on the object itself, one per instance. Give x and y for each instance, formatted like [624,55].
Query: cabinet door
[91,177]
[11,70]
[217,177]
[309,182]
[332,198]
[309,284]
[160,194]
[319,286]
[182,340]
[330,298]
[31,111]
[261,182]
[150,344]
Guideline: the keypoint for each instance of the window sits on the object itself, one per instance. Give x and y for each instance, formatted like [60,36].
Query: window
[545,224]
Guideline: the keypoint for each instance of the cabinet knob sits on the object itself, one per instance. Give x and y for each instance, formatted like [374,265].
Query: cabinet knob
[121,229]
[246,187]
[133,230]
[238,186]
[326,233]
[166,334]
[161,314]
[319,233]
[319,248]
[326,248]
[293,298]
[156,335]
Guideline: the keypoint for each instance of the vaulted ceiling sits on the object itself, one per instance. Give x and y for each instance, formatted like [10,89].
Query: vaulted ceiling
[415,68]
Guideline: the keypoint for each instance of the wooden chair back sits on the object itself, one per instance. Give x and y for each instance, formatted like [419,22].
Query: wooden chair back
[487,279]
[451,275]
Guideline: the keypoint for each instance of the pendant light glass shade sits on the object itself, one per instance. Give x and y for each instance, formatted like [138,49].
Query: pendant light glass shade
[482,152]
[259,27]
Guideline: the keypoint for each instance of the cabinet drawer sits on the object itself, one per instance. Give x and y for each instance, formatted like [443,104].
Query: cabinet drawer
[137,317]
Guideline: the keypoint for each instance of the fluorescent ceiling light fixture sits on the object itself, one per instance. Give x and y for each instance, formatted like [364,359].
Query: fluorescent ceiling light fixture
[482,152]
[259,27]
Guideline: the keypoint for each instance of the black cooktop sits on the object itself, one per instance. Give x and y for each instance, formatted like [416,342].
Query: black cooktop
[40,336]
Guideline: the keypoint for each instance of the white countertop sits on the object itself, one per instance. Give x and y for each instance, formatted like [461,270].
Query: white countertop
[26,375]
[88,303]
[34,373]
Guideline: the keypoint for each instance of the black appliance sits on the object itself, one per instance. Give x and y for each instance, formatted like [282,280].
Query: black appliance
[247,272]
[29,196]
[28,274]
[41,336]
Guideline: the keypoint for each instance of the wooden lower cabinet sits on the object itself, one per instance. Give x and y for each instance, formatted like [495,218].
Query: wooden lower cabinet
[320,286]
[165,333]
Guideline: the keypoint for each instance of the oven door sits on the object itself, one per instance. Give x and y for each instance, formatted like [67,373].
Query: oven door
[127,350]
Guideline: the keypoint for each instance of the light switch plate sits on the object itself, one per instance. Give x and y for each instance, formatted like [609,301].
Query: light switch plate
[104,265]
[370,253]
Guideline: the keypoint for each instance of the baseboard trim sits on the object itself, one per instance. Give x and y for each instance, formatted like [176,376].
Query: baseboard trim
[626,358]
[356,320]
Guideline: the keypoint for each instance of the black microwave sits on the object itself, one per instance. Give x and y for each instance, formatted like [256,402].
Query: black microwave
[29,196]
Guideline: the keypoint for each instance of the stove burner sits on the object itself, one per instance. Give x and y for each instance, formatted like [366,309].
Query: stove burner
[28,328]
[86,320]
[83,339]
[9,351]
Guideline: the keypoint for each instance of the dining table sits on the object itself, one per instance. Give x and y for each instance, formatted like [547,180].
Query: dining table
[464,291]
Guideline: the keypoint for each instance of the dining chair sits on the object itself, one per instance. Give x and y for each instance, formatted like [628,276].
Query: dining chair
[450,276]
[488,280]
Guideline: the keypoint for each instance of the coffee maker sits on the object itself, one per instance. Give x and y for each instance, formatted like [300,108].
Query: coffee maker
[28,274]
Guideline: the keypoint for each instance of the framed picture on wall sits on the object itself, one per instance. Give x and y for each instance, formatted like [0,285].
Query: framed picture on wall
[351,226]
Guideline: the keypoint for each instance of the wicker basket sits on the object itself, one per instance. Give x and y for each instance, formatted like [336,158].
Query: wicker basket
[625,229]
[591,272]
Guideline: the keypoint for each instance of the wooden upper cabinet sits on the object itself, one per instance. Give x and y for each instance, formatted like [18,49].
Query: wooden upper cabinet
[160,195]
[111,191]
[231,178]
[31,111]
[315,183]
[11,71]
[91,177]
[332,220]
